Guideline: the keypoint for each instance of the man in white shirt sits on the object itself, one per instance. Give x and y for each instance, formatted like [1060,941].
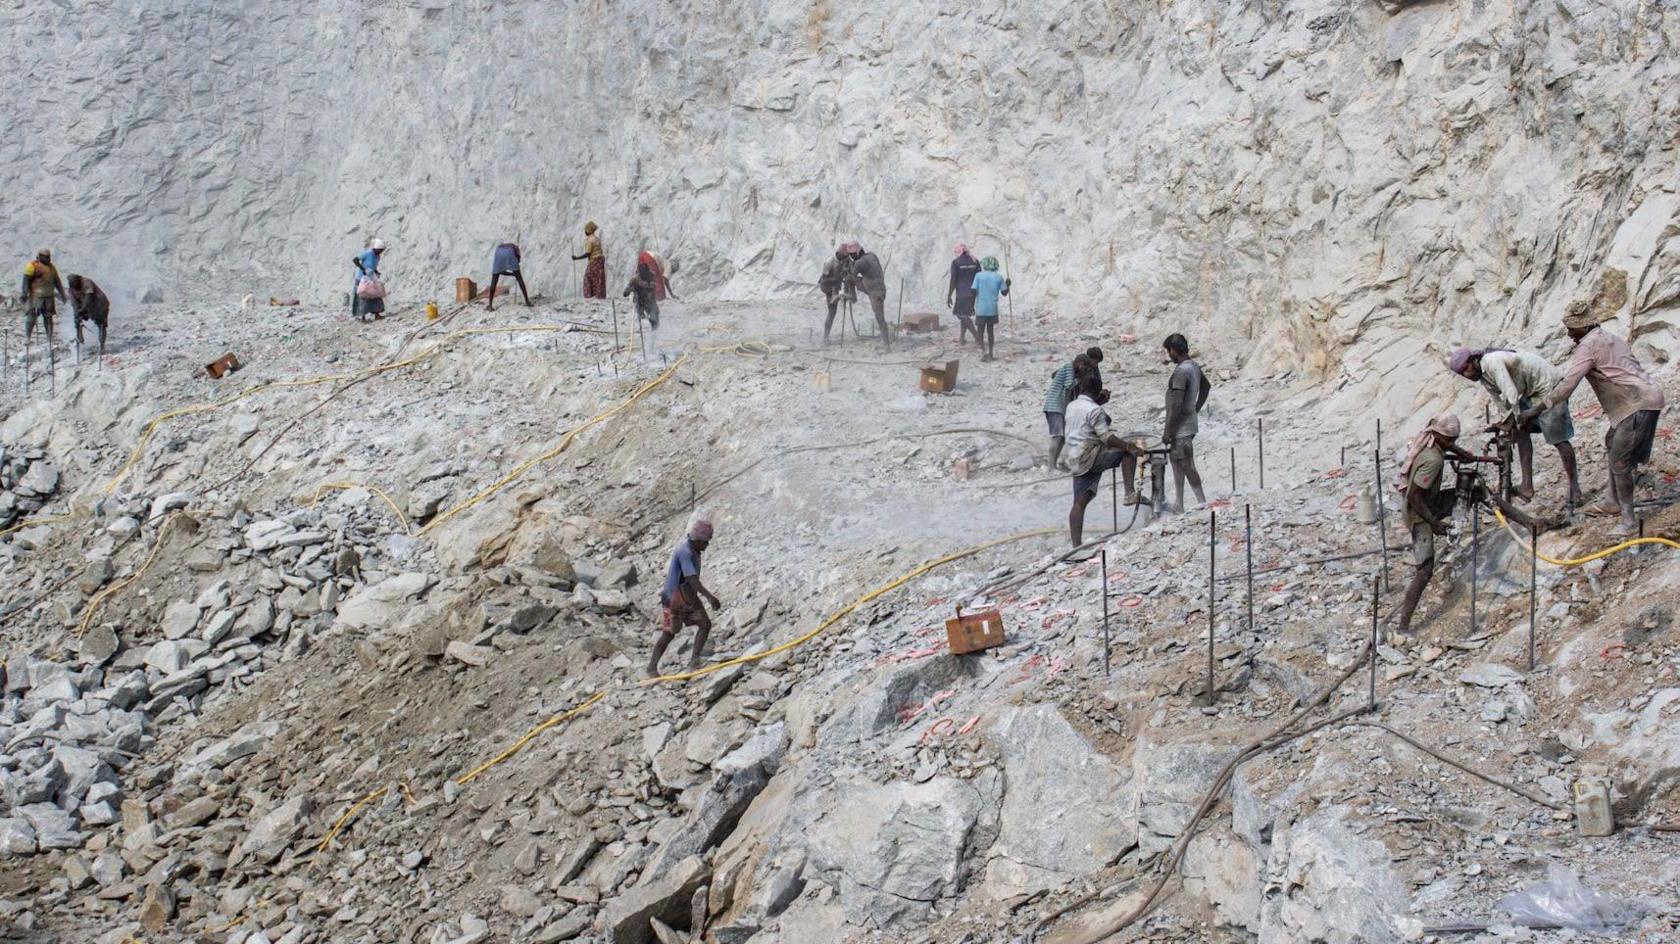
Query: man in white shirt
[1517,380]
[1092,449]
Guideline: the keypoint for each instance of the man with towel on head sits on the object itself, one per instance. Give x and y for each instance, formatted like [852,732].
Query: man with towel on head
[1632,402]
[679,598]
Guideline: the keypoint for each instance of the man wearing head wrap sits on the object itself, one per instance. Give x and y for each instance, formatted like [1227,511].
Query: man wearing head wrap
[1632,402]
[680,596]
[872,279]
[959,293]
[1517,380]
[988,285]
[41,284]
[367,266]
[837,281]
[1064,389]
[1427,504]
[595,273]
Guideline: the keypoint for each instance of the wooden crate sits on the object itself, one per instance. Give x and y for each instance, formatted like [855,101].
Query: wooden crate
[973,632]
[940,379]
[465,289]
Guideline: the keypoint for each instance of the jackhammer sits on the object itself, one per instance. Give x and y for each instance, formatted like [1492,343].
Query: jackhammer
[1157,458]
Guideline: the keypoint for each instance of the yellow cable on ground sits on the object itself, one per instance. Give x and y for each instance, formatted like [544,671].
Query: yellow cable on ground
[1578,561]
[349,814]
[530,735]
[565,441]
[847,610]
[316,497]
[50,519]
[105,594]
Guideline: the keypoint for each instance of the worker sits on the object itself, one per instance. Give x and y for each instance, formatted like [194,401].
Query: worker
[41,286]
[595,273]
[1428,503]
[1064,386]
[1517,380]
[988,285]
[959,294]
[837,282]
[1092,449]
[661,274]
[1187,392]
[680,597]
[1630,398]
[367,267]
[872,279]
[88,303]
[645,286]
[506,262]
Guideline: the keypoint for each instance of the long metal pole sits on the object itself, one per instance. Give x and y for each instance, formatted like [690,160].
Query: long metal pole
[1376,594]
[52,361]
[1260,427]
[1248,547]
[901,301]
[1114,497]
[1233,470]
[1475,558]
[1533,587]
[1105,611]
[1382,519]
[614,305]
[1212,547]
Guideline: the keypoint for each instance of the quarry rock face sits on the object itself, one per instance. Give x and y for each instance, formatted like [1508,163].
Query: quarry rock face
[1352,170]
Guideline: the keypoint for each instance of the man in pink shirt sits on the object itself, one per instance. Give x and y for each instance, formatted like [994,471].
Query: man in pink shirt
[1631,401]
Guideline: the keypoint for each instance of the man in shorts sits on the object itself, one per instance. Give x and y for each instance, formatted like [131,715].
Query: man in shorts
[1632,402]
[680,598]
[1064,387]
[1517,380]
[1092,449]
[1187,392]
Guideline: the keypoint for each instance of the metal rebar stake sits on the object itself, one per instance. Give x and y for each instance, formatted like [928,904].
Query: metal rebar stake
[1475,558]
[1233,470]
[1376,595]
[1382,518]
[1114,498]
[1248,548]
[1212,547]
[1260,449]
[1105,611]
[1533,587]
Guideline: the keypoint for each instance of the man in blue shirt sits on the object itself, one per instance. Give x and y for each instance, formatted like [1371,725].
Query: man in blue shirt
[680,597]
[988,285]
[367,266]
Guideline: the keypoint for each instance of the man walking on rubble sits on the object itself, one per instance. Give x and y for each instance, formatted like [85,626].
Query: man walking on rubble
[1517,380]
[1093,449]
[1429,503]
[41,285]
[1631,400]
[680,598]
[835,281]
[1187,391]
[959,294]
[1064,387]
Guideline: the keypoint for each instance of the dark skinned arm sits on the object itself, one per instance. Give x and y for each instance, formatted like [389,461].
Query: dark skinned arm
[696,590]
[1201,398]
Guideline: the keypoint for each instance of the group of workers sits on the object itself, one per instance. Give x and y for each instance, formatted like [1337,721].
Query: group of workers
[43,289]
[972,293]
[1083,440]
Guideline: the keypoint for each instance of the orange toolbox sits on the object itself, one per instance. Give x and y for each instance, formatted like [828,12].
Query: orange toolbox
[974,632]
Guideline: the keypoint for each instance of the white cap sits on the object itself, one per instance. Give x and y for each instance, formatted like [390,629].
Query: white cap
[378,245]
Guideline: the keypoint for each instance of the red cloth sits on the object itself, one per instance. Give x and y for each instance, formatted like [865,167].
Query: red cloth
[595,279]
[660,288]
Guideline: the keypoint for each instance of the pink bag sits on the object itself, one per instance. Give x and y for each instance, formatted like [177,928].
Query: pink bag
[370,287]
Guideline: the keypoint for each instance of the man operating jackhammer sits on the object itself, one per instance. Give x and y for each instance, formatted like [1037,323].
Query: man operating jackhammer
[1429,503]
[1093,448]
[679,598]
[1517,380]
[1632,402]
[837,283]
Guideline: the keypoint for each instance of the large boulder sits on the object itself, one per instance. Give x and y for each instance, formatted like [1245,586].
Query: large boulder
[1326,882]
[717,806]
[1061,796]
[383,602]
[668,897]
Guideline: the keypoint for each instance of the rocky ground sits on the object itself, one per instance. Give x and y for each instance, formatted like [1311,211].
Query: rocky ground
[265,660]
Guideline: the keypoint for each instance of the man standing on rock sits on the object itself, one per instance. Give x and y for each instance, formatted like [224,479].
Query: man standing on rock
[679,598]
[88,303]
[1631,400]
[367,267]
[836,281]
[1427,505]
[1517,380]
[505,261]
[41,284]
[988,286]
[872,278]
[595,271]
[1187,391]
[1093,449]
[1064,387]
[959,293]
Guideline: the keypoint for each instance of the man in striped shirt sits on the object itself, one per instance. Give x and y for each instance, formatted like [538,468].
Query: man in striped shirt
[1064,387]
